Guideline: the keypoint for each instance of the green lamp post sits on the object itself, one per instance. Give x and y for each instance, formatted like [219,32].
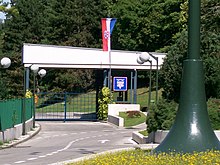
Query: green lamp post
[191,130]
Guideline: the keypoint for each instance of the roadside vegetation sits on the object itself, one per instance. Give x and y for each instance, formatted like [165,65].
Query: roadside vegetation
[161,116]
[143,157]
[132,119]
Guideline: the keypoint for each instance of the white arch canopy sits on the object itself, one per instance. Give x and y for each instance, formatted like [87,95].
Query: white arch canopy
[51,56]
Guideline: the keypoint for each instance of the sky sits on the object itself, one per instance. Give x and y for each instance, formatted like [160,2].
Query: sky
[2,16]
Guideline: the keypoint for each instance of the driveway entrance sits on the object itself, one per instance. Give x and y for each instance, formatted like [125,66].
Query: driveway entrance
[66,106]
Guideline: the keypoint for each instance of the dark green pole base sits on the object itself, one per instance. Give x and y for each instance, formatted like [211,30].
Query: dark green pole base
[191,130]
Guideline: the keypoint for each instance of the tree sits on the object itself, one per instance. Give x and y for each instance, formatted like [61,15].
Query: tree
[65,22]
[172,68]
[145,25]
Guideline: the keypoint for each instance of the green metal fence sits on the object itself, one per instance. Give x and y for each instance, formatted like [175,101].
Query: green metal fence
[11,112]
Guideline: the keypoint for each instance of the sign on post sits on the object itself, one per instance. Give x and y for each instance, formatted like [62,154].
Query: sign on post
[120,83]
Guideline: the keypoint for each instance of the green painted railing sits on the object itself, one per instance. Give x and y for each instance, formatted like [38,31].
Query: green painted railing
[11,112]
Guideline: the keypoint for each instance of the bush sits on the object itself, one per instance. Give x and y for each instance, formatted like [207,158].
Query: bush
[162,116]
[105,98]
[214,113]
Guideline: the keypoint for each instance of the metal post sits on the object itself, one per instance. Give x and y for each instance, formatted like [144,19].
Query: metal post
[156,58]
[131,91]
[109,79]
[157,82]
[149,95]
[24,106]
[105,78]
[191,130]
[34,107]
[27,78]
[135,86]
[65,101]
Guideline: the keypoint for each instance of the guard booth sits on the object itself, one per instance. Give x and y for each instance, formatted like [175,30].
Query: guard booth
[118,69]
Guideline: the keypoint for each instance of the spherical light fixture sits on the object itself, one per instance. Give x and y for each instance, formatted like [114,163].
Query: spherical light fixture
[139,61]
[34,68]
[5,62]
[42,72]
[144,56]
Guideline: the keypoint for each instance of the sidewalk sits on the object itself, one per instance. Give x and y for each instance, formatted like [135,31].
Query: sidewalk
[22,138]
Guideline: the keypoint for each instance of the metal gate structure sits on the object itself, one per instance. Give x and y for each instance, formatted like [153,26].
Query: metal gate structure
[66,106]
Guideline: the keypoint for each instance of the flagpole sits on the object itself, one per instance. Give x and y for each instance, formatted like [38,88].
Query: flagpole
[110,67]
[107,27]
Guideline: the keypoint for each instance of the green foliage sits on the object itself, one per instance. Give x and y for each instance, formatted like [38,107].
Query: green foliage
[141,25]
[145,157]
[144,132]
[28,94]
[162,116]
[3,89]
[105,98]
[210,38]
[74,80]
[132,120]
[145,25]
[214,113]
[68,23]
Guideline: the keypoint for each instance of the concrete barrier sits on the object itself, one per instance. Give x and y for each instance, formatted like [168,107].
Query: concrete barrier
[16,131]
[157,137]
[116,120]
[114,109]
[141,139]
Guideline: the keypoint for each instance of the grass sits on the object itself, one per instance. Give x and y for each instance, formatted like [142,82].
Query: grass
[86,102]
[143,157]
[75,103]
[132,121]
[144,132]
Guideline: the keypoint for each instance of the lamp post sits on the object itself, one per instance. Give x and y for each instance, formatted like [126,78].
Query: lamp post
[155,58]
[191,130]
[145,57]
[41,73]
[35,69]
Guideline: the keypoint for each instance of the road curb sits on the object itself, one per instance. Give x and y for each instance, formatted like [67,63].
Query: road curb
[144,147]
[22,138]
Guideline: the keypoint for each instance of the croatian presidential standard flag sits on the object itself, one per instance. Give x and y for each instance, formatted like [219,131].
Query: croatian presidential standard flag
[107,28]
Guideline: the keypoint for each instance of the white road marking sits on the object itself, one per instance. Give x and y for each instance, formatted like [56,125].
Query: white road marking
[103,141]
[18,162]
[42,156]
[64,135]
[32,159]
[82,132]
[68,145]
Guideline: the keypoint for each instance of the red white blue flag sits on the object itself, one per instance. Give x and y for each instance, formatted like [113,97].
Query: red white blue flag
[107,28]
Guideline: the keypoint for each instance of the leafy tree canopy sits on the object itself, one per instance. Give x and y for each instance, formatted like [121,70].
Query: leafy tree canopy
[210,53]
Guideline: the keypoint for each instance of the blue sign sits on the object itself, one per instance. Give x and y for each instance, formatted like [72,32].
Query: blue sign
[120,84]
